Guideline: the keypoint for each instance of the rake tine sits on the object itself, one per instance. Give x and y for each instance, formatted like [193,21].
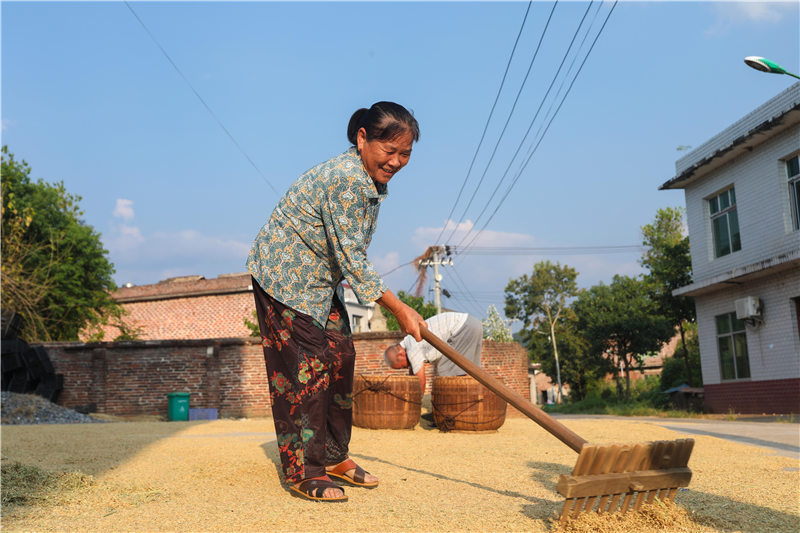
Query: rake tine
[567,510]
[626,503]
[612,507]
[640,497]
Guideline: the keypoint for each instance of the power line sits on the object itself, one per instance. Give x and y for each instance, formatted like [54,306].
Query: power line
[533,120]
[398,267]
[508,119]
[464,286]
[514,182]
[552,250]
[208,108]
[486,126]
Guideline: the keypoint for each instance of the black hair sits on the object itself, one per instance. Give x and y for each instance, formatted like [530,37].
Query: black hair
[383,121]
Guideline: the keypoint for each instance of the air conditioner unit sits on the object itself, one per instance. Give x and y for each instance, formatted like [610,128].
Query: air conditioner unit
[748,307]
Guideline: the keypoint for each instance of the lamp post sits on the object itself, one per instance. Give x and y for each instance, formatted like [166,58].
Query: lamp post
[765,65]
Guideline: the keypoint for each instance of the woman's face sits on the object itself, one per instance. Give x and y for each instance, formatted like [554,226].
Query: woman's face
[384,159]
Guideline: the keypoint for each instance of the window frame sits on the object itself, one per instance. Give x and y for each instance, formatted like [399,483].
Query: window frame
[358,323]
[793,182]
[729,344]
[729,215]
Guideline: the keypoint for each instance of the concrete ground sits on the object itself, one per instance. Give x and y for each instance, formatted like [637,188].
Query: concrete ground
[781,438]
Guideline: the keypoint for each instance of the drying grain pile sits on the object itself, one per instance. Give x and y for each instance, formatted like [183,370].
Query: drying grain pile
[224,476]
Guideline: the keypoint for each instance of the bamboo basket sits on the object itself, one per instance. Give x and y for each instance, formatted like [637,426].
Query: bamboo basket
[386,401]
[460,403]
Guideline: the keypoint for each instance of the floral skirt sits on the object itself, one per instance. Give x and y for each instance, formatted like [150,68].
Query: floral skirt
[310,371]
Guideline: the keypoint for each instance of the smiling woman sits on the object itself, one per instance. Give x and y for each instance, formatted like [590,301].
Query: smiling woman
[316,237]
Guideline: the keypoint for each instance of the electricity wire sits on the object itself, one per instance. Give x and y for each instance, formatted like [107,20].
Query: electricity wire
[202,101]
[464,286]
[569,89]
[551,250]
[536,115]
[398,267]
[508,119]
[486,126]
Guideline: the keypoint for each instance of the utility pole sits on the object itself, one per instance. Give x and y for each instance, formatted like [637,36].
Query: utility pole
[435,261]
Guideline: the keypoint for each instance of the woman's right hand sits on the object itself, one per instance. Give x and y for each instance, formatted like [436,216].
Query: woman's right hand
[409,320]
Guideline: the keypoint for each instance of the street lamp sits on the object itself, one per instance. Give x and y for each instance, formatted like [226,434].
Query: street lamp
[765,65]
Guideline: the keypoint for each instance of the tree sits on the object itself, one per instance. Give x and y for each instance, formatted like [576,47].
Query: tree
[426,309]
[542,298]
[578,365]
[495,327]
[622,320]
[669,263]
[54,269]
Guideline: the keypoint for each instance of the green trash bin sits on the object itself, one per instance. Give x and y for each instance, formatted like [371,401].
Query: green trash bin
[178,406]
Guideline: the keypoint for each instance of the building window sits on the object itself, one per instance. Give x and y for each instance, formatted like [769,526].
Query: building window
[793,171]
[732,344]
[357,324]
[724,223]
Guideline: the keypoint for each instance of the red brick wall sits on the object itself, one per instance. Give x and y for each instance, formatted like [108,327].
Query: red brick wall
[754,397]
[127,378]
[189,307]
[196,317]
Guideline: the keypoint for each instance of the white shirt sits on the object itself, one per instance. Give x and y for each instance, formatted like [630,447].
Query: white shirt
[444,326]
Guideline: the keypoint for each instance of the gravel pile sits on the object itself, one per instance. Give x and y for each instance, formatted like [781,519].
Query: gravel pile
[33,409]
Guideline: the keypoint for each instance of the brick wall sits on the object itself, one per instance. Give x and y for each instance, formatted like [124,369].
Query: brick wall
[127,378]
[187,307]
[754,397]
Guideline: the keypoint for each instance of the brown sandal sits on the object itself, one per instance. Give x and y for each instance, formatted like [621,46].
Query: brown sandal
[339,472]
[313,489]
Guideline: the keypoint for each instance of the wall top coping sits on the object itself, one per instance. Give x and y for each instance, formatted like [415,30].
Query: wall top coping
[221,341]
[185,287]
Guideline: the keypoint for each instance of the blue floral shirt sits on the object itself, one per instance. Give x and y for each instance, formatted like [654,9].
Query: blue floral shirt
[318,235]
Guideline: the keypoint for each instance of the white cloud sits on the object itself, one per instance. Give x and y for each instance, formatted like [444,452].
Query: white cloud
[731,15]
[148,258]
[387,263]
[454,234]
[124,209]
[7,123]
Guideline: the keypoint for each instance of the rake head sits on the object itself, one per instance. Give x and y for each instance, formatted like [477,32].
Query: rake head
[618,477]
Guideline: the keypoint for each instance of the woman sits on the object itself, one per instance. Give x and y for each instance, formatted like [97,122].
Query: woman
[316,237]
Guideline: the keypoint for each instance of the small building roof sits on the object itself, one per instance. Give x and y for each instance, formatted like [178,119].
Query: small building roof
[766,121]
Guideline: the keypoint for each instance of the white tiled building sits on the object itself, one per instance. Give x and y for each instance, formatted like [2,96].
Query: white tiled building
[743,210]
[363,317]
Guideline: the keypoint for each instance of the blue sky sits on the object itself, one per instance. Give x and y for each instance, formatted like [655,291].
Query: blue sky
[89,98]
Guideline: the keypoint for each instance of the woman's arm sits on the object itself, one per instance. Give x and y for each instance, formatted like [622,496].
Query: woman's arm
[410,321]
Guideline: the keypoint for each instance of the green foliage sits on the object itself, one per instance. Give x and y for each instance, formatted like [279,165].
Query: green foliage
[622,320]
[541,296]
[540,300]
[669,266]
[114,318]
[495,327]
[54,269]
[426,309]
[646,400]
[673,373]
[255,331]
[578,366]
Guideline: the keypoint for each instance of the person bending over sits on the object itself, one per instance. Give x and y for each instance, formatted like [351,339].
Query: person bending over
[463,332]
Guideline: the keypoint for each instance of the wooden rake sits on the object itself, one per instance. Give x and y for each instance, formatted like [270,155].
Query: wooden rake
[607,477]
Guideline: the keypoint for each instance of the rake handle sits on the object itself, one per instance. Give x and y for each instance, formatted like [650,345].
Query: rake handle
[553,426]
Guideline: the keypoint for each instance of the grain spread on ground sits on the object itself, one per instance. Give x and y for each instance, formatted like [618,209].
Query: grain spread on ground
[224,475]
